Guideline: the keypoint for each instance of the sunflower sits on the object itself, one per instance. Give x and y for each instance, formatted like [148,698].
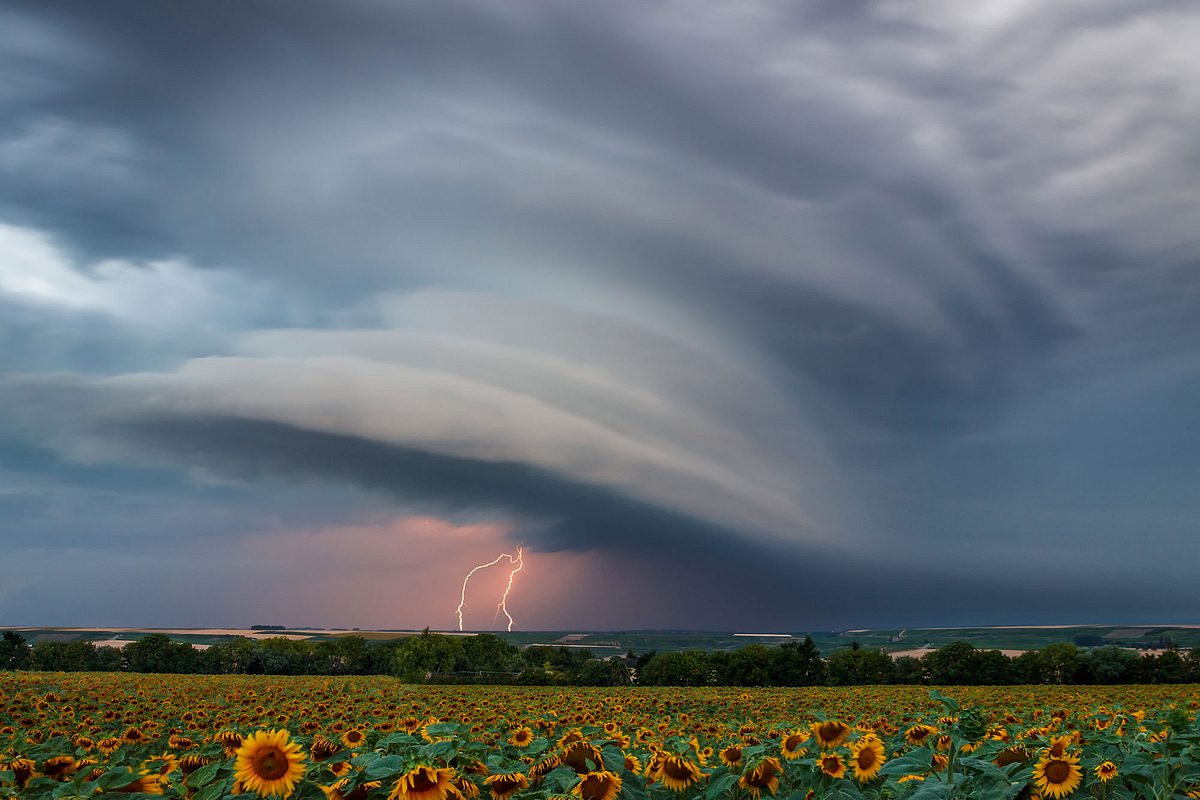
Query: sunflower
[762,777]
[424,783]
[148,782]
[544,766]
[1057,777]
[675,772]
[505,785]
[192,762]
[521,737]
[866,758]
[22,769]
[1058,746]
[109,745]
[1015,754]
[229,740]
[1106,771]
[353,738]
[60,768]
[322,748]
[578,755]
[830,733]
[338,790]
[600,785]
[633,763]
[466,787]
[731,756]
[832,765]
[167,763]
[791,746]
[268,763]
[919,734]
[939,762]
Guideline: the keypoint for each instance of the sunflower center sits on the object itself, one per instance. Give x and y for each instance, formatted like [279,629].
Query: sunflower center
[866,758]
[677,769]
[270,763]
[1058,771]
[506,783]
[594,787]
[422,782]
[830,731]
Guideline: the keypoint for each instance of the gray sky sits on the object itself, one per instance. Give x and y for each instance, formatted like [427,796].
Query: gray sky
[808,315]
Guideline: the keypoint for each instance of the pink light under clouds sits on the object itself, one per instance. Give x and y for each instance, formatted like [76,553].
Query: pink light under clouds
[400,573]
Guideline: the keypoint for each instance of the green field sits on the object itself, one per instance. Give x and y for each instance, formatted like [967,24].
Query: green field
[892,640]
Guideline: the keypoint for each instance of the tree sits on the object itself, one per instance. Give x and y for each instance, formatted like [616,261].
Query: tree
[108,659]
[857,666]
[1060,662]
[157,653]
[487,653]
[909,670]
[78,656]
[1029,667]
[684,668]
[422,656]
[962,664]
[283,656]
[602,672]
[797,664]
[952,664]
[234,656]
[747,666]
[15,652]
[1110,664]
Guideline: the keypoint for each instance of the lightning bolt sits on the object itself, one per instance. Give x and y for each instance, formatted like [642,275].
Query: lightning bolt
[503,606]
[518,559]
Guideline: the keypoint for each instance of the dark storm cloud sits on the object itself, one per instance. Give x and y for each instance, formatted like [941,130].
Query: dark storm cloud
[820,285]
[634,539]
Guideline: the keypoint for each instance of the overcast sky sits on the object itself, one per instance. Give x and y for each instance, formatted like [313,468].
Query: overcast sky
[744,315]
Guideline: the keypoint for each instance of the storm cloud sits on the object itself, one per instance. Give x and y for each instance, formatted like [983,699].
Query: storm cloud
[825,303]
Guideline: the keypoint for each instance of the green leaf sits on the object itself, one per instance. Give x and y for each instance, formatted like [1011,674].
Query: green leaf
[932,790]
[384,767]
[213,791]
[719,785]
[614,759]
[632,787]
[561,779]
[203,776]
[443,750]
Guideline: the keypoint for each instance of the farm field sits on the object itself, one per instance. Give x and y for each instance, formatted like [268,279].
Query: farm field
[897,641]
[209,737]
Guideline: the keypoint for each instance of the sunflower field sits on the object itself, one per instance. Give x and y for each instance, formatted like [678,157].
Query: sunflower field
[210,737]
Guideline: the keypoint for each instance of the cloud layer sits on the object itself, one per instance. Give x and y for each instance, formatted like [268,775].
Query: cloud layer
[827,304]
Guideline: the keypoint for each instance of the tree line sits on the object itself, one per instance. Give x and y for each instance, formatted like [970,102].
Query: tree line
[486,658]
[955,664]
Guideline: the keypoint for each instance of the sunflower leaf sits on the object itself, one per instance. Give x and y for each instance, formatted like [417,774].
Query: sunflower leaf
[203,776]
[719,785]
[614,759]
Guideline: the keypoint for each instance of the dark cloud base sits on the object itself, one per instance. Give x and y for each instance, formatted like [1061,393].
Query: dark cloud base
[676,566]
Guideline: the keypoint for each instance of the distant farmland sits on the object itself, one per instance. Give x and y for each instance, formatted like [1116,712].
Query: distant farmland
[897,641]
